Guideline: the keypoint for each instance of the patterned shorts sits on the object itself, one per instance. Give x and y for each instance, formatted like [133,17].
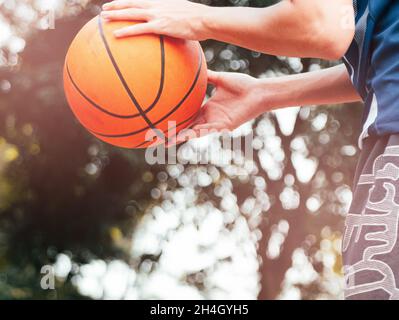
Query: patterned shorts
[370,243]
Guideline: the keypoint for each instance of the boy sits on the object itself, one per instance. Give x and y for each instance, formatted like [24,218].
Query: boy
[366,33]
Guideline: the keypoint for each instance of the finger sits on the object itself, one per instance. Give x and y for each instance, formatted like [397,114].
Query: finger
[124,4]
[126,14]
[213,77]
[200,119]
[185,134]
[208,128]
[140,28]
[180,138]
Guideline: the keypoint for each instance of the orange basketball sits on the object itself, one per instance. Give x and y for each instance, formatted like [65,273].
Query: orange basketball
[133,92]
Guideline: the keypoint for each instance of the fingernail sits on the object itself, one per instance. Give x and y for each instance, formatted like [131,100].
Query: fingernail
[105,6]
[118,33]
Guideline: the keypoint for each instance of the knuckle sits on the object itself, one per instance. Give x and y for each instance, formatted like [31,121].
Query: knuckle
[128,30]
[130,11]
[149,13]
[216,77]
[162,23]
[149,27]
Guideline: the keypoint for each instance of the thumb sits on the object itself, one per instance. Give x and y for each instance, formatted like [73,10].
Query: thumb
[213,77]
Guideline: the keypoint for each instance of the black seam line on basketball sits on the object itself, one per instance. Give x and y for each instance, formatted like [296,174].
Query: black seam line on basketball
[168,114]
[123,81]
[95,104]
[174,127]
[161,86]
[140,145]
[183,122]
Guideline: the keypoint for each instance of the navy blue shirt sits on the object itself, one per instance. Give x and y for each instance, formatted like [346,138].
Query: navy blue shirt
[373,64]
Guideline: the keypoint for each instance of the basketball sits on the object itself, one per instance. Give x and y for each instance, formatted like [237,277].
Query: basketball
[133,92]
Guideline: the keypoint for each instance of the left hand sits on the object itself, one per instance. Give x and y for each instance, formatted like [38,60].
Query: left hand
[175,18]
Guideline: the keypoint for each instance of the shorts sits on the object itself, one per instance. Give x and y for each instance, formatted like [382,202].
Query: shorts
[370,244]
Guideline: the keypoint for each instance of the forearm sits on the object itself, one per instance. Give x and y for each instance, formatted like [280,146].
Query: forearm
[301,28]
[239,98]
[328,86]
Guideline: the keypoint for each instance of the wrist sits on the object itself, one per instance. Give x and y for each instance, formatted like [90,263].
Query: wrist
[277,93]
[206,21]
